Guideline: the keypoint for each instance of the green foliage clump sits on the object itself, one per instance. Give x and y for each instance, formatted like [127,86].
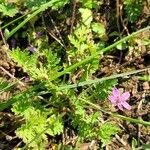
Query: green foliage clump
[106,131]
[83,41]
[29,62]
[8,9]
[103,89]
[38,122]
[133,9]
[43,64]
[87,121]
[4,85]
[51,97]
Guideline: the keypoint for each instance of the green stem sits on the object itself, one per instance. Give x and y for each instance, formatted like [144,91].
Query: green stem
[89,58]
[31,91]
[137,121]
[144,78]
[99,80]
[42,8]
[15,20]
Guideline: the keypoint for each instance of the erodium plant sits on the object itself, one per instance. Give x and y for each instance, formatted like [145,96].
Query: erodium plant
[51,101]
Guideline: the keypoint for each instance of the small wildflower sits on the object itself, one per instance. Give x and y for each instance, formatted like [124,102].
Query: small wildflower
[32,48]
[26,79]
[38,35]
[119,99]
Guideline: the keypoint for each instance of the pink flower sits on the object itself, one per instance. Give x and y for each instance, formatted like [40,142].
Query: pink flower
[38,35]
[119,100]
[32,48]
[26,79]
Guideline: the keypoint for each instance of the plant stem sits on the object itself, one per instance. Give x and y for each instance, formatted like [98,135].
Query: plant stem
[42,8]
[15,20]
[137,121]
[88,82]
[31,91]
[89,58]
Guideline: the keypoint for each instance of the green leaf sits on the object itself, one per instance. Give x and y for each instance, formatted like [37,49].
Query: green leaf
[3,84]
[86,15]
[35,123]
[8,10]
[106,131]
[133,10]
[88,3]
[103,89]
[29,63]
[55,4]
[114,33]
[121,46]
[22,95]
[146,146]
[74,41]
[99,28]
[33,4]
[6,32]
[24,59]
[134,143]
[144,77]
[56,125]
[91,3]
[38,123]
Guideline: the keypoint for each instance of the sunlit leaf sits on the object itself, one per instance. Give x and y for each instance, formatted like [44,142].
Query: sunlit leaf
[8,10]
[86,15]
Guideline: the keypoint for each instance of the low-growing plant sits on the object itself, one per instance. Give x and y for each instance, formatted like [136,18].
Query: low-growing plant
[63,90]
[133,9]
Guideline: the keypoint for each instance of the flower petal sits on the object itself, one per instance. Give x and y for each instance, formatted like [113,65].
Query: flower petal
[115,92]
[38,34]
[32,48]
[125,96]
[120,106]
[126,105]
[112,99]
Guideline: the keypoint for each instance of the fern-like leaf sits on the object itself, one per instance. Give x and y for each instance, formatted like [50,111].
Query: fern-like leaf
[103,89]
[4,85]
[133,9]
[106,131]
[8,10]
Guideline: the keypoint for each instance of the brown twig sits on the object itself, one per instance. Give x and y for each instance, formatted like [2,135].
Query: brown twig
[56,29]
[4,41]
[118,14]
[10,75]
[73,15]
[123,21]
[53,36]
